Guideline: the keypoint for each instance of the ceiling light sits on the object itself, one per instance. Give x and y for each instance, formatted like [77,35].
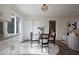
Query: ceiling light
[44,7]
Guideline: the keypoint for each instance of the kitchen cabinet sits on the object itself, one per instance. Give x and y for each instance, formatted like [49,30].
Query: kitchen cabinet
[10,46]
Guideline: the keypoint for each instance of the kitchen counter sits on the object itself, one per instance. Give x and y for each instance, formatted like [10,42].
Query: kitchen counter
[11,36]
[8,43]
[8,36]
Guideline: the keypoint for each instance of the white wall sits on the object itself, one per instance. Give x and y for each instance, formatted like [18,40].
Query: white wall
[61,23]
[44,21]
[38,21]
[6,24]
[61,27]
[31,24]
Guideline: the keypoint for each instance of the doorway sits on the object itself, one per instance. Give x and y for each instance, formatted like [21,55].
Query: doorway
[52,26]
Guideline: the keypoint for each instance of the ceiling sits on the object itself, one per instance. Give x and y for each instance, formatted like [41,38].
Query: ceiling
[53,9]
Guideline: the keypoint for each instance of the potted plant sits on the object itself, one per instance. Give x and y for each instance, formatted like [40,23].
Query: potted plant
[42,29]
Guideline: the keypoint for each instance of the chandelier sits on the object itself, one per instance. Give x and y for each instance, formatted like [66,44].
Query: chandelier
[44,7]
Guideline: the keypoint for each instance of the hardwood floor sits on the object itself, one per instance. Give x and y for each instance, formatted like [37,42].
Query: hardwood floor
[64,50]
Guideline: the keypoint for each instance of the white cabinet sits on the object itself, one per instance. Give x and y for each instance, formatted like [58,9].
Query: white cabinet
[10,46]
[5,12]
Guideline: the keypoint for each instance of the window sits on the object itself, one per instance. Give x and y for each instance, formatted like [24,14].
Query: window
[14,25]
[17,27]
[11,26]
[17,24]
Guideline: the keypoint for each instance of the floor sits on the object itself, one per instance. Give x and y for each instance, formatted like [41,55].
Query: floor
[26,48]
[59,49]
[65,50]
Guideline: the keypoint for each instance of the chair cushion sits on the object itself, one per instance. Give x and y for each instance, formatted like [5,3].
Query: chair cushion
[50,38]
[45,40]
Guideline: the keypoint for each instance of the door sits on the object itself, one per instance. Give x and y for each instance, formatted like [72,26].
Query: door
[52,26]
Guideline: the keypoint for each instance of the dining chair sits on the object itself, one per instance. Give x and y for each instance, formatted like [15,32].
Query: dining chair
[52,39]
[44,39]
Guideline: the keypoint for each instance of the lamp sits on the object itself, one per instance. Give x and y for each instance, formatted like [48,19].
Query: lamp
[44,7]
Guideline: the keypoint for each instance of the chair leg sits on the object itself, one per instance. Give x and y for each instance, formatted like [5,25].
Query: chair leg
[48,47]
[31,43]
[41,47]
[54,43]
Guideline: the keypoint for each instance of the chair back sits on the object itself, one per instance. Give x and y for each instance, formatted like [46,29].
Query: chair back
[54,36]
[44,36]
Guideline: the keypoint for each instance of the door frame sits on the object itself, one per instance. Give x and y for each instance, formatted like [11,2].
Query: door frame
[55,25]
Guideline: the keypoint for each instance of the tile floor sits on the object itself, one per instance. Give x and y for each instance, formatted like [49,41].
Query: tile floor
[26,48]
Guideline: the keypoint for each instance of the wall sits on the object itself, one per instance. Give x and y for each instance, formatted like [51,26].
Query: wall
[61,23]
[31,24]
[61,27]
[15,14]
[28,23]
[44,21]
